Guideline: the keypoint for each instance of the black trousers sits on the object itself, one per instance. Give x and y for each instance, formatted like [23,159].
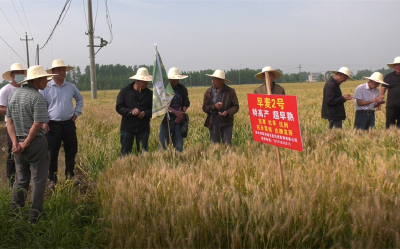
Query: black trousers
[62,131]
[392,117]
[10,164]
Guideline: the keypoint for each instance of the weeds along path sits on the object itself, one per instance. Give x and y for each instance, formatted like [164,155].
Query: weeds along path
[341,191]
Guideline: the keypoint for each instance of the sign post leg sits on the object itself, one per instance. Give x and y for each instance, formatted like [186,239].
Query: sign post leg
[280,167]
[277,148]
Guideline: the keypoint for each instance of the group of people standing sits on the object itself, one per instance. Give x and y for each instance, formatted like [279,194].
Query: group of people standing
[220,103]
[367,98]
[39,117]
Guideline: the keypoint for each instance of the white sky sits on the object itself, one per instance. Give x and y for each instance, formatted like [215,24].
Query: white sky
[195,35]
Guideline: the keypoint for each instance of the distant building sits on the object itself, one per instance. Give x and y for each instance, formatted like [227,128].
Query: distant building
[313,77]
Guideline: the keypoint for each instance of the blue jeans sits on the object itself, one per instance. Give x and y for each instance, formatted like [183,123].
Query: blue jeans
[176,136]
[364,120]
[127,138]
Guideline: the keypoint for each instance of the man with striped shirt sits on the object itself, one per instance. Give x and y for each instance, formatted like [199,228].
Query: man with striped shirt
[26,112]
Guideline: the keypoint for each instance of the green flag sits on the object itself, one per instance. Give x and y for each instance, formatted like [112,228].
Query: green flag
[162,89]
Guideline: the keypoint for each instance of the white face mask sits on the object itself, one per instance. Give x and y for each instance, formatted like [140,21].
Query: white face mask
[19,77]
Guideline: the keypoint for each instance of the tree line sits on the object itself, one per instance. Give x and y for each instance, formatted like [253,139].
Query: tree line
[117,76]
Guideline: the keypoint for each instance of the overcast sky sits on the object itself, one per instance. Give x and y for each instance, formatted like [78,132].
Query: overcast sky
[195,35]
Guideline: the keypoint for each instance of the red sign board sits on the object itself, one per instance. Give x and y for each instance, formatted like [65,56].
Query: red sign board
[274,120]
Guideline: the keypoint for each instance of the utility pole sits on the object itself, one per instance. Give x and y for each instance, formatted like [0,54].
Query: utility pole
[300,73]
[37,53]
[93,85]
[27,51]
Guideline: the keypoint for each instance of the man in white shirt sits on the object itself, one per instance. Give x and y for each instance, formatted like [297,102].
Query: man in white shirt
[367,98]
[59,95]
[16,74]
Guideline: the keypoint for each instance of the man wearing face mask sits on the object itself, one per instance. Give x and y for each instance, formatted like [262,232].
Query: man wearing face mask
[16,74]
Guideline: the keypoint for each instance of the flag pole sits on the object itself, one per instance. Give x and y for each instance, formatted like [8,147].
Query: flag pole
[169,129]
[277,148]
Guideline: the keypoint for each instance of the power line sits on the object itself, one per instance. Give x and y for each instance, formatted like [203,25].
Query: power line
[12,49]
[84,11]
[18,15]
[30,49]
[95,20]
[289,69]
[59,21]
[26,19]
[10,23]
[108,17]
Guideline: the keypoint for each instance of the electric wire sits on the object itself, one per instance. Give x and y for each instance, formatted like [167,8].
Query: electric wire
[29,47]
[95,20]
[10,23]
[18,15]
[290,69]
[12,49]
[84,12]
[109,23]
[59,21]
[29,28]
[23,9]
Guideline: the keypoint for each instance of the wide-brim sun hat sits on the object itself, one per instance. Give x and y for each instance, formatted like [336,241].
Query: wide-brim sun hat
[59,63]
[219,74]
[345,71]
[36,72]
[14,67]
[142,74]
[277,74]
[396,61]
[377,77]
[174,74]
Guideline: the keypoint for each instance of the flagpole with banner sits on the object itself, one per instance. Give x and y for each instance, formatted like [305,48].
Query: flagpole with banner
[162,95]
[162,89]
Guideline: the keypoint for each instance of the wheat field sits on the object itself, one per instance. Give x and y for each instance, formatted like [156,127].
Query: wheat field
[341,191]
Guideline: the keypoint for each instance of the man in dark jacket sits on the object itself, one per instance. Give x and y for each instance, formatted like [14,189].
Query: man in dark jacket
[176,110]
[220,103]
[333,101]
[134,104]
[393,100]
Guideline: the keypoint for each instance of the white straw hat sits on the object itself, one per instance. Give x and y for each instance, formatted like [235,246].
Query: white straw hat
[174,74]
[142,74]
[377,77]
[36,72]
[343,70]
[14,67]
[396,61]
[59,63]
[219,74]
[277,74]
